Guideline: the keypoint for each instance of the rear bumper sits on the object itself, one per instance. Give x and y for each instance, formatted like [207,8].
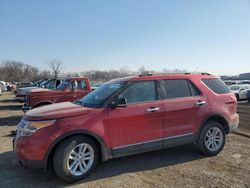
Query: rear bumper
[234,123]
[25,108]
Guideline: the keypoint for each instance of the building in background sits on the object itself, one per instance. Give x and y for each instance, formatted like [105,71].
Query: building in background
[244,76]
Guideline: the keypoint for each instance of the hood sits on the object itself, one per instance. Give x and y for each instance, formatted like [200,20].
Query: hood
[56,111]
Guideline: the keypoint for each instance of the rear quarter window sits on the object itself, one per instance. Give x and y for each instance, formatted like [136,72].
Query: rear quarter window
[216,85]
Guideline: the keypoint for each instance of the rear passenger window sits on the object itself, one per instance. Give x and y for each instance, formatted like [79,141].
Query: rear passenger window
[177,88]
[216,85]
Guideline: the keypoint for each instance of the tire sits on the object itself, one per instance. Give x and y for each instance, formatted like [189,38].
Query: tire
[207,147]
[62,163]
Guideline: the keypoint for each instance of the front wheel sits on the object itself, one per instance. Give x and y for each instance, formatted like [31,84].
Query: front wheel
[211,140]
[75,158]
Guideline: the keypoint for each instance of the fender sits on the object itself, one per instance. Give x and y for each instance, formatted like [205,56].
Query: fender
[105,151]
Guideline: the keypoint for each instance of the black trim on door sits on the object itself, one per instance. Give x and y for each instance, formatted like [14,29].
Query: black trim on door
[153,145]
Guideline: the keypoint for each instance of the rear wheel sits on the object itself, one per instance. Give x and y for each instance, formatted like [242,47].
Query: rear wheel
[75,158]
[211,139]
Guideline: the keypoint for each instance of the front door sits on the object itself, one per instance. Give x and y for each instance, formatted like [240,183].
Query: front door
[137,127]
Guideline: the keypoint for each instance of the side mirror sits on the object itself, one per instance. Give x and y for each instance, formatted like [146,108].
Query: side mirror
[120,102]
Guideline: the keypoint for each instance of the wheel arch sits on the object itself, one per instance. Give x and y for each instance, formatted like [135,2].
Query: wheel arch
[215,117]
[105,152]
[42,103]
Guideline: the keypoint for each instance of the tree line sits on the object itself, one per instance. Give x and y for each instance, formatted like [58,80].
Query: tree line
[21,72]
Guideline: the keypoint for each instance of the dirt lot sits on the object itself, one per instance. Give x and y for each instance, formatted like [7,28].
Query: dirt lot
[178,167]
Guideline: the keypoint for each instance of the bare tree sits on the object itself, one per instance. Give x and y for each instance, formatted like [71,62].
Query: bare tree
[56,67]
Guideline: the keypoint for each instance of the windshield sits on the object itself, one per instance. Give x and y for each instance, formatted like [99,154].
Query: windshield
[63,85]
[235,87]
[98,96]
[43,83]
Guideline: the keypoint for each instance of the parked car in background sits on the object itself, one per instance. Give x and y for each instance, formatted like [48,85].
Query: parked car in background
[49,84]
[95,85]
[240,91]
[248,96]
[3,86]
[126,116]
[70,89]
[24,84]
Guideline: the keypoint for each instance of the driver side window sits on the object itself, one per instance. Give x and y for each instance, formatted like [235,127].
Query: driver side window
[72,85]
[142,91]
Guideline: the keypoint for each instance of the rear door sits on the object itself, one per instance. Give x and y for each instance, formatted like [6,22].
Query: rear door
[183,103]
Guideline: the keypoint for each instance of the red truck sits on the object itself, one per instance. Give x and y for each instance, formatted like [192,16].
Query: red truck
[70,89]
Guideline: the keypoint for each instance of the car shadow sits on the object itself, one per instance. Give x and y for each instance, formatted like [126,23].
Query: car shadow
[112,168]
[11,107]
[10,121]
[10,100]
[144,162]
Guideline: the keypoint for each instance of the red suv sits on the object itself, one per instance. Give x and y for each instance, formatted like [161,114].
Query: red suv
[127,116]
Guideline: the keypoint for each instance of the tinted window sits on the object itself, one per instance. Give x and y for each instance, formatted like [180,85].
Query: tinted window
[177,88]
[142,91]
[63,85]
[216,85]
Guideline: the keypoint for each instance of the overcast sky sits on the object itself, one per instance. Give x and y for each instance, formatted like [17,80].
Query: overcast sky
[213,36]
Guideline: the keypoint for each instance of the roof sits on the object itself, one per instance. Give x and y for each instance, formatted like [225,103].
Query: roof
[165,76]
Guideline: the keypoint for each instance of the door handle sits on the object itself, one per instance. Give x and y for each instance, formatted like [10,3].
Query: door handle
[200,103]
[153,109]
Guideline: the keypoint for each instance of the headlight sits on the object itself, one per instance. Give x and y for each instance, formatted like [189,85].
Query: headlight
[27,128]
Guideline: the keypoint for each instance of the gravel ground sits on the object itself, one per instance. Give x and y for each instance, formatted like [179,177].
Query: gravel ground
[177,167]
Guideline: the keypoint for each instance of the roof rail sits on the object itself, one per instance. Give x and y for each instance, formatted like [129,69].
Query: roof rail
[205,73]
[146,74]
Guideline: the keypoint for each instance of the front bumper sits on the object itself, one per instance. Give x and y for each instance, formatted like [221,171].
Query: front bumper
[25,108]
[22,157]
